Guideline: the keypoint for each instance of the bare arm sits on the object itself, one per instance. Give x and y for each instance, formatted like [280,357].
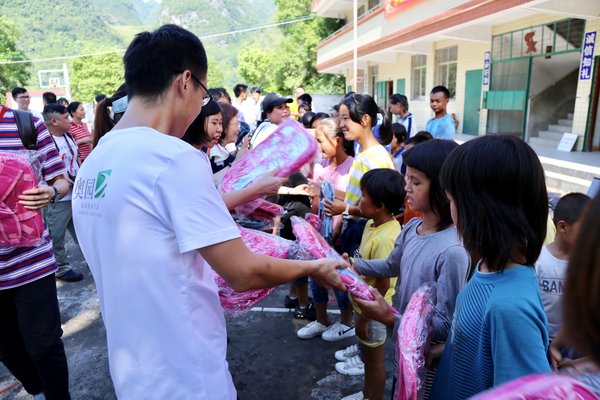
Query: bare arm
[35,199]
[245,270]
[263,186]
[87,139]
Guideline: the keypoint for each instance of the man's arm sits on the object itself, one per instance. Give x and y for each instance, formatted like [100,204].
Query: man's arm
[244,270]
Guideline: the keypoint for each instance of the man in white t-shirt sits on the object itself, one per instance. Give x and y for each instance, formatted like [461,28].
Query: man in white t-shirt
[150,222]
[58,215]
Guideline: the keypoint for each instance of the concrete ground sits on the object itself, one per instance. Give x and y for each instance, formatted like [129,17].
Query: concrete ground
[266,359]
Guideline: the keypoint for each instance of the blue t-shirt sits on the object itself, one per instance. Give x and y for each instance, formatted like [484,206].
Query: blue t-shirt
[499,333]
[442,128]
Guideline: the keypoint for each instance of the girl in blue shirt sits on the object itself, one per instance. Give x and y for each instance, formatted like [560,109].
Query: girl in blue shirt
[499,204]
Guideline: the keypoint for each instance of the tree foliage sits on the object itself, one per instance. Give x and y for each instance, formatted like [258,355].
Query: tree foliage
[93,75]
[11,75]
[291,61]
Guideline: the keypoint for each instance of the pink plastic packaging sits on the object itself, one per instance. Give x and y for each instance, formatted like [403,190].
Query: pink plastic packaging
[413,341]
[314,243]
[235,303]
[540,387]
[284,152]
[19,171]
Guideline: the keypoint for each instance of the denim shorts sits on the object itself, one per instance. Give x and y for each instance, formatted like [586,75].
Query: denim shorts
[321,295]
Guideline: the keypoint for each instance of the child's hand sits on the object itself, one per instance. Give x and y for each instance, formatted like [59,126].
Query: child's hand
[377,309]
[335,207]
[556,357]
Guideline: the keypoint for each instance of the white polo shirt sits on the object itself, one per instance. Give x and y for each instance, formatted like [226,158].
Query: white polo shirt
[143,202]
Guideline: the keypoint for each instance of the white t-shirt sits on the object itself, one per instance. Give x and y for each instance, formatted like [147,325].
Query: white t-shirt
[143,203]
[67,149]
[551,273]
[263,131]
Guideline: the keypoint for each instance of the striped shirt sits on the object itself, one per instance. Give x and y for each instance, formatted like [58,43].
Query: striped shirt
[375,157]
[81,132]
[21,265]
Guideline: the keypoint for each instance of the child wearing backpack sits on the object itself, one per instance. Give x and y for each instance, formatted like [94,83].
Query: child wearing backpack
[427,250]
[499,203]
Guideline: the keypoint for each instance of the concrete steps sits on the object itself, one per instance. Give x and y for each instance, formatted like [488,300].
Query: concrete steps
[551,137]
[566,177]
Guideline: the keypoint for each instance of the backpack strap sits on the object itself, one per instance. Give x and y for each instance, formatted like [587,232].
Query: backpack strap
[26,127]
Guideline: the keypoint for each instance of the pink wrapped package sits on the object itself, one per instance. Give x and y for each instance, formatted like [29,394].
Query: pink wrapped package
[314,243]
[540,387]
[18,225]
[284,152]
[236,303]
[413,340]
[313,220]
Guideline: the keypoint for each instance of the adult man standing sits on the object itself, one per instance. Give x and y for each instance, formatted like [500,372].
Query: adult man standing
[251,107]
[30,331]
[149,230]
[23,99]
[58,215]
[441,126]
[240,91]
[399,107]
[48,98]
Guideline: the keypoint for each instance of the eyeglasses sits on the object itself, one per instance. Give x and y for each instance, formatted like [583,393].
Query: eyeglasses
[206,97]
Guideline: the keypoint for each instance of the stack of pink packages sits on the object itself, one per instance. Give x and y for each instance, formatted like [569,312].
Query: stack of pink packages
[414,336]
[314,243]
[237,303]
[284,152]
[19,171]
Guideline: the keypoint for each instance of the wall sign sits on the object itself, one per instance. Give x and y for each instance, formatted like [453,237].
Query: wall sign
[587,56]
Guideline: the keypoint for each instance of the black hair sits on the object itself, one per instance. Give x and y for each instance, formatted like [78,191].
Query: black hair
[72,107]
[337,107]
[420,137]
[441,89]
[570,207]
[99,97]
[219,93]
[17,91]
[239,89]
[317,117]
[497,184]
[53,109]
[305,98]
[196,133]
[385,187]
[307,118]
[154,59]
[399,132]
[348,94]
[305,106]
[428,158]
[363,104]
[256,89]
[103,121]
[49,97]
[401,99]
[63,101]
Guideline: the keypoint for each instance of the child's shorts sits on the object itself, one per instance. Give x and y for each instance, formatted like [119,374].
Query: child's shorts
[377,334]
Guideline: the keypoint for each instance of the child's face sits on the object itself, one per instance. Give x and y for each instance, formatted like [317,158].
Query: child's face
[453,210]
[328,145]
[351,129]
[417,190]
[569,232]
[367,206]
[214,128]
[438,102]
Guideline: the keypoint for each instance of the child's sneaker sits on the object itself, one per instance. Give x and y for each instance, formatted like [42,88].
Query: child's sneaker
[348,352]
[338,331]
[352,366]
[311,330]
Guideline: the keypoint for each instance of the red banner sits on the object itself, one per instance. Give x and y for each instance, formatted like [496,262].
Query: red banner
[395,6]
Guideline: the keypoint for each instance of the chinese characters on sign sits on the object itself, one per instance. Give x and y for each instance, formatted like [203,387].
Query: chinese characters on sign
[486,69]
[587,56]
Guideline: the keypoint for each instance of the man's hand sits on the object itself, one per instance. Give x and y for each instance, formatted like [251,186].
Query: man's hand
[377,309]
[35,199]
[335,207]
[326,275]
[268,185]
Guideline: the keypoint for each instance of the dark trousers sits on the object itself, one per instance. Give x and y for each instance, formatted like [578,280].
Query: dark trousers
[30,343]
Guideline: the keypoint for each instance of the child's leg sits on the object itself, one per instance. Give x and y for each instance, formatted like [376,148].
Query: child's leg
[320,299]
[374,373]
[302,292]
[344,305]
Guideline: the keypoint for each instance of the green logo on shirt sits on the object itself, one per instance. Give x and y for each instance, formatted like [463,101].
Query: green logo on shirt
[101,183]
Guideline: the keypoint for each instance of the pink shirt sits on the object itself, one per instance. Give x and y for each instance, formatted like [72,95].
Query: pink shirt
[338,176]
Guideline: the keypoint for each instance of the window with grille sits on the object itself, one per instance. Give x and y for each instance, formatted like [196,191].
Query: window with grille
[419,74]
[445,68]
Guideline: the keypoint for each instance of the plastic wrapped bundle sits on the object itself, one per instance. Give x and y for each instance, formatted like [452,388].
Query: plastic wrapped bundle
[284,152]
[313,220]
[314,243]
[414,336]
[19,171]
[236,303]
[326,221]
[540,387]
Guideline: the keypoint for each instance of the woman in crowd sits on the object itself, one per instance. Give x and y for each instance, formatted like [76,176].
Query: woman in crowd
[79,130]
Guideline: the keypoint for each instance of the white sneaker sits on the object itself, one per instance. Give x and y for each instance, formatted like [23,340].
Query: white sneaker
[348,352]
[313,329]
[352,366]
[338,331]
[355,396]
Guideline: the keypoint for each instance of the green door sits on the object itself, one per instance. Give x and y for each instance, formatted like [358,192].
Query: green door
[401,86]
[472,102]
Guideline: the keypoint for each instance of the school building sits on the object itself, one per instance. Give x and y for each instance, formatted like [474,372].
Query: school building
[530,68]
